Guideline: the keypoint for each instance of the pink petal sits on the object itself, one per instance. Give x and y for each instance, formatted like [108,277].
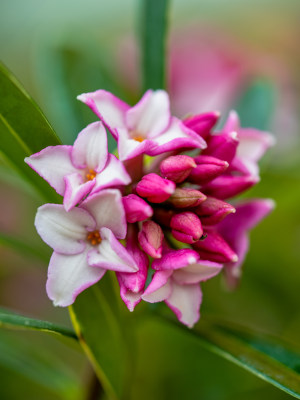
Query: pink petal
[233,123]
[76,190]
[110,254]
[64,231]
[114,174]
[69,275]
[109,108]
[90,148]
[177,136]
[195,273]
[159,288]
[52,164]
[108,211]
[129,148]
[151,115]
[254,143]
[174,259]
[185,301]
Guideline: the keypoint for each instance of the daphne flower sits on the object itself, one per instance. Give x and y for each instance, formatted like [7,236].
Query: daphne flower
[82,169]
[85,244]
[146,128]
[176,282]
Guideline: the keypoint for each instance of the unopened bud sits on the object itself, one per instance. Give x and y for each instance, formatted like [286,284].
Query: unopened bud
[202,123]
[186,227]
[222,146]
[155,188]
[208,168]
[151,238]
[136,209]
[215,248]
[177,168]
[212,211]
[225,187]
[186,197]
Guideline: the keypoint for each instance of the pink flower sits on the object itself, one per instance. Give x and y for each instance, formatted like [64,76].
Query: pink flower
[85,244]
[176,282]
[146,128]
[82,169]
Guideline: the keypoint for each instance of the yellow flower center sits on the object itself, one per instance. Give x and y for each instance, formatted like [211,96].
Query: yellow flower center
[135,135]
[90,175]
[94,238]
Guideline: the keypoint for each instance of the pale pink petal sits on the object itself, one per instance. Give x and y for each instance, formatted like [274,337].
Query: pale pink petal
[76,190]
[131,299]
[159,288]
[64,231]
[90,148]
[175,259]
[151,115]
[185,301]
[253,143]
[107,208]
[196,273]
[233,123]
[114,174]
[69,275]
[109,108]
[52,164]
[110,254]
[129,148]
[177,136]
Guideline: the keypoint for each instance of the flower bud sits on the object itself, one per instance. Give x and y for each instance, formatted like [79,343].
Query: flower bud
[212,211]
[208,168]
[177,168]
[202,123]
[222,146]
[227,186]
[155,188]
[136,209]
[186,197]
[151,238]
[186,227]
[214,248]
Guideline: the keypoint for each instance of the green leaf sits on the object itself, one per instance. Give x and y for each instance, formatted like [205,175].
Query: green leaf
[153,26]
[24,130]
[98,324]
[13,321]
[256,105]
[264,356]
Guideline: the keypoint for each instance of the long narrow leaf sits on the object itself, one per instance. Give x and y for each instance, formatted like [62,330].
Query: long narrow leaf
[24,130]
[13,321]
[153,24]
[265,357]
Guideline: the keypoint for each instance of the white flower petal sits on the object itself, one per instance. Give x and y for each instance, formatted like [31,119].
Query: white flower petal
[195,273]
[64,231]
[114,174]
[76,190]
[69,275]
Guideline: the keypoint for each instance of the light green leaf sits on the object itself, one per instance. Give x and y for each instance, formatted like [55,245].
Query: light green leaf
[266,357]
[13,321]
[24,130]
[98,324]
[153,26]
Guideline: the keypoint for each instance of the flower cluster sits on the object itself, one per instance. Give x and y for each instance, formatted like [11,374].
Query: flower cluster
[163,197]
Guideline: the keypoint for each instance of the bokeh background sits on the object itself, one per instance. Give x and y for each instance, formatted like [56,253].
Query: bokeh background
[222,54]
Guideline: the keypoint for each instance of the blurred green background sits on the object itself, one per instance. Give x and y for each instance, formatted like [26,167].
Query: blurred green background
[222,55]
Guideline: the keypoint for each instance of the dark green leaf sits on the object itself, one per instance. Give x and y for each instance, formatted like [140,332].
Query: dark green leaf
[24,130]
[98,325]
[153,25]
[256,105]
[268,358]
[13,321]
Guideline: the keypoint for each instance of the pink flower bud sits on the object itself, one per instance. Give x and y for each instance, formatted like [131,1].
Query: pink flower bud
[151,238]
[202,123]
[222,146]
[186,227]
[214,248]
[177,168]
[208,168]
[224,187]
[212,211]
[155,188]
[136,208]
[186,197]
